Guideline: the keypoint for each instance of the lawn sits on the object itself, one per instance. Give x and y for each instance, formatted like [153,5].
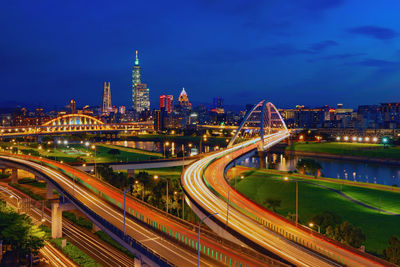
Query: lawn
[352,149]
[378,227]
[71,152]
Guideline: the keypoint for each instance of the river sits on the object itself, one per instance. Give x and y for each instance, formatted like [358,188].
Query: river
[334,168]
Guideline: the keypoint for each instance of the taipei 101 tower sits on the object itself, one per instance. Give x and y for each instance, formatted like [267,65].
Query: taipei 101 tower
[140,92]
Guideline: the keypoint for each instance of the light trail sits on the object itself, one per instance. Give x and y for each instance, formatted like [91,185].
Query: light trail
[206,186]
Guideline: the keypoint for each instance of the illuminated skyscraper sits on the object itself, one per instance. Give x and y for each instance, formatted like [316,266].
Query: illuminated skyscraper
[184,100]
[140,92]
[72,106]
[166,102]
[106,106]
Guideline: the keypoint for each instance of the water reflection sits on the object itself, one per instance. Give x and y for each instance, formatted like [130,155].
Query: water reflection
[339,169]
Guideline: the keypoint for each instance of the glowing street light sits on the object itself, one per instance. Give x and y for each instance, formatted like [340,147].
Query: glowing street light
[354,138]
[311,224]
[346,138]
[375,139]
[367,139]
[338,138]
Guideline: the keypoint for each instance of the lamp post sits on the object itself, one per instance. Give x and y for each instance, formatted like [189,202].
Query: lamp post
[198,243]
[204,138]
[297,198]
[311,224]
[55,148]
[156,178]
[125,210]
[94,158]
[165,144]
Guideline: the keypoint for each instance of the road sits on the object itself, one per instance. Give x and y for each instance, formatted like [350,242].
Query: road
[205,182]
[172,250]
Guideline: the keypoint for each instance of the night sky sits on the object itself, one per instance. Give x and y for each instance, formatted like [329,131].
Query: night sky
[310,52]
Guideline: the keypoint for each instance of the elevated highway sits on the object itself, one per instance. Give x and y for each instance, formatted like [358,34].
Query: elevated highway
[173,241]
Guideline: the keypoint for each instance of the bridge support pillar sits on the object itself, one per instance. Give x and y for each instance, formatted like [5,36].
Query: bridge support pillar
[14,175]
[261,155]
[95,228]
[137,262]
[56,220]
[49,191]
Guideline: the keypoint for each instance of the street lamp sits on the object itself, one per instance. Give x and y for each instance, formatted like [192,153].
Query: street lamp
[311,224]
[165,144]
[94,158]
[156,178]
[198,243]
[297,198]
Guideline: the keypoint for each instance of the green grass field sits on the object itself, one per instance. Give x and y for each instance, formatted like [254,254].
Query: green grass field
[352,149]
[378,227]
[70,153]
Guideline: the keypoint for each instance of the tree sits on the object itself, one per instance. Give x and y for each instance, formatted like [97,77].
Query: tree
[272,203]
[347,234]
[308,166]
[18,232]
[80,160]
[114,152]
[392,252]
[326,219]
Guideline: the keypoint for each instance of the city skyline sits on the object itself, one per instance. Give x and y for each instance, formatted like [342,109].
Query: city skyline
[301,48]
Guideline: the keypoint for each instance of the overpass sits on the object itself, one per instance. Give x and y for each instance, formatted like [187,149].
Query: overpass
[73,123]
[209,192]
[155,237]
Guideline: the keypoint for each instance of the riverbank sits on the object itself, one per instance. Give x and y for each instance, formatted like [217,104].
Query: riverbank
[374,153]
[319,195]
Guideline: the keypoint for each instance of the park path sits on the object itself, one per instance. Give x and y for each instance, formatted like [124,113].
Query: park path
[350,198]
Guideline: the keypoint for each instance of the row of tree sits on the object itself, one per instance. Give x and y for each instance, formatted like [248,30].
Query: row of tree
[19,235]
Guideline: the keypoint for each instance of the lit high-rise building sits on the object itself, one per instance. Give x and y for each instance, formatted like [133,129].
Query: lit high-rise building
[166,102]
[140,92]
[142,101]
[184,100]
[72,106]
[106,106]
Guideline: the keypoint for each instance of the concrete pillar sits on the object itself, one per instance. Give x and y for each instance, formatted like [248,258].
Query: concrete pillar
[261,155]
[131,173]
[96,228]
[49,191]
[56,220]
[137,262]
[14,175]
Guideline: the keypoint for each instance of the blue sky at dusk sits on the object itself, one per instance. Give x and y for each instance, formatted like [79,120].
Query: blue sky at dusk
[290,52]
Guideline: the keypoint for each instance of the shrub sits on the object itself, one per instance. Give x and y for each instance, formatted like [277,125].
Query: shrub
[77,255]
[26,191]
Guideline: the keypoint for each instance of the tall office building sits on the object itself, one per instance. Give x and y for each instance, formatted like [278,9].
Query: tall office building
[184,100]
[166,102]
[106,106]
[140,92]
[72,106]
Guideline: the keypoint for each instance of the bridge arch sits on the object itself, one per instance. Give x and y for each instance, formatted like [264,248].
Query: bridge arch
[73,120]
[263,119]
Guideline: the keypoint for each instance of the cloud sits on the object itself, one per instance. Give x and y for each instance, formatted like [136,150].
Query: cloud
[285,50]
[337,57]
[371,62]
[238,55]
[323,45]
[376,32]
